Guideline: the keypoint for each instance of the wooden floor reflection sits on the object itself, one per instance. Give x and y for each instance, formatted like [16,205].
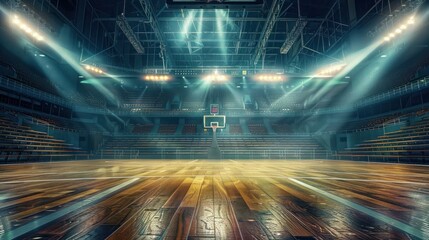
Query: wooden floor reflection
[202,199]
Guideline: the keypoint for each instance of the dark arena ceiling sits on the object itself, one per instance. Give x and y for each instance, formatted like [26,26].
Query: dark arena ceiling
[294,37]
[247,35]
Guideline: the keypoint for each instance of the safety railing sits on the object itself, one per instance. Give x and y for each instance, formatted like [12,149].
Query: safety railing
[33,92]
[399,91]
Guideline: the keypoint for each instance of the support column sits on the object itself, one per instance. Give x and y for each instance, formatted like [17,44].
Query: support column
[214,150]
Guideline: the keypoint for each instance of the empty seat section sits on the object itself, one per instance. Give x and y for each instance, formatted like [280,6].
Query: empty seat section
[408,144]
[167,129]
[285,147]
[20,143]
[189,129]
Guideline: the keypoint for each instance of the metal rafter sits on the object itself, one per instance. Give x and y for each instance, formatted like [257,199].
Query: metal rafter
[129,33]
[293,36]
[213,19]
[149,12]
[273,15]
[403,11]
[237,48]
[328,34]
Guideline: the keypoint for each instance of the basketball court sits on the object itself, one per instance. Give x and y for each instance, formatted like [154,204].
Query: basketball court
[214,199]
[214,119]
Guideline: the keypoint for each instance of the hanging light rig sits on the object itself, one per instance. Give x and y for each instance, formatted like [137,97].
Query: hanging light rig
[25,27]
[93,69]
[400,29]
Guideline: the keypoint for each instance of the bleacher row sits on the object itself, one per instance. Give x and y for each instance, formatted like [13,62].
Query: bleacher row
[54,122]
[291,147]
[191,129]
[408,144]
[20,143]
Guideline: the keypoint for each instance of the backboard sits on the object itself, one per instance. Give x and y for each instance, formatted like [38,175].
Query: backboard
[214,120]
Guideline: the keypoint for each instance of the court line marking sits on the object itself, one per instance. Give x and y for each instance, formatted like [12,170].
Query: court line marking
[213,175]
[362,180]
[393,222]
[362,173]
[315,171]
[31,226]
[257,160]
[63,179]
[196,160]
[391,163]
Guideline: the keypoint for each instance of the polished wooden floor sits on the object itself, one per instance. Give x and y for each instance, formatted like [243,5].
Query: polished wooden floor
[200,199]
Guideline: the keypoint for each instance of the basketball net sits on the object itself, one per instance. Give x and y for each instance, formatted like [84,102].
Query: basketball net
[214,127]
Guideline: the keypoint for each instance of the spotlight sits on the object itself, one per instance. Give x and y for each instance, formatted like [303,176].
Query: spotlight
[16,20]
[216,77]
[157,78]
[331,70]
[93,69]
[400,29]
[269,77]
[26,28]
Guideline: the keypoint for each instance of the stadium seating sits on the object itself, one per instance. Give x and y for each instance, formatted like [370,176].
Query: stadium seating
[229,100]
[167,129]
[189,129]
[21,143]
[235,129]
[28,77]
[283,100]
[294,147]
[408,144]
[150,99]
[193,100]
[281,128]
[261,100]
[142,128]
[257,129]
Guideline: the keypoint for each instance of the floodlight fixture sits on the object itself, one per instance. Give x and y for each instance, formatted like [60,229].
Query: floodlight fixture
[216,78]
[400,29]
[157,77]
[331,70]
[269,77]
[94,69]
[27,28]
[129,33]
